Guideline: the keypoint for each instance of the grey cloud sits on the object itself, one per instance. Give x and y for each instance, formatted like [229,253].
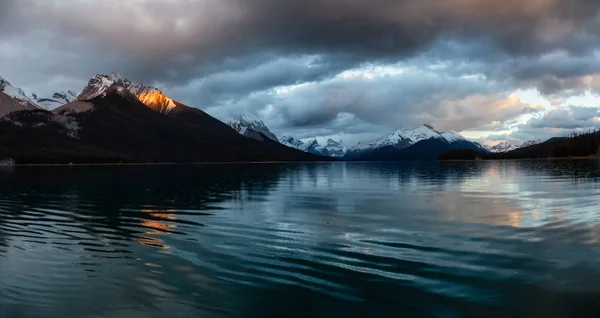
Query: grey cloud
[345,127]
[539,133]
[206,34]
[501,137]
[406,99]
[560,122]
[463,57]
[552,73]
[572,117]
[280,71]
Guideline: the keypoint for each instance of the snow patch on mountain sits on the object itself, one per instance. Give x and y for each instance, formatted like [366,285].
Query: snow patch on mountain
[70,124]
[56,100]
[452,136]
[251,126]
[291,142]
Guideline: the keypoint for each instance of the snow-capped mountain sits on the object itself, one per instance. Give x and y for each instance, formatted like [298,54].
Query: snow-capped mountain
[150,96]
[17,94]
[423,142]
[403,138]
[331,149]
[56,100]
[291,142]
[509,145]
[251,126]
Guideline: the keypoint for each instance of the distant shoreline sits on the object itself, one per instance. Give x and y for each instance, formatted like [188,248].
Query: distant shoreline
[152,163]
[275,162]
[522,159]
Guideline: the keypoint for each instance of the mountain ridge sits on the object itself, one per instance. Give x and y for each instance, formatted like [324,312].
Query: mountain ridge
[510,145]
[423,142]
[108,122]
[332,148]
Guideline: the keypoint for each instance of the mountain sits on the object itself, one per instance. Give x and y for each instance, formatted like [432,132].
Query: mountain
[57,99]
[422,143]
[403,138]
[114,120]
[17,95]
[331,149]
[510,145]
[202,123]
[148,95]
[251,126]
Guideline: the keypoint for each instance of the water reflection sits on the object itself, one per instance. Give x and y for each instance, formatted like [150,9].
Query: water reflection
[158,222]
[333,239]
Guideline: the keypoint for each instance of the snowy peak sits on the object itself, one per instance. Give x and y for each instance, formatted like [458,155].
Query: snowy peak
[333,143]
[510,145]
[56,100]
[313,143]
[148,95]
[332,148]
[452,136]
[251,126]
[403,138]
[291,142]
[421,133]
[66,96]
[17,94]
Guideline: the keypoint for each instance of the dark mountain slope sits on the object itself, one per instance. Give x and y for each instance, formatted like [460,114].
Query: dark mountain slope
[8,105]
[123,124]
[36,136]
[542,150]
[428,149]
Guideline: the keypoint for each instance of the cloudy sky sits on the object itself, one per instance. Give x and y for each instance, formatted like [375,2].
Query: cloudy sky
[353,69]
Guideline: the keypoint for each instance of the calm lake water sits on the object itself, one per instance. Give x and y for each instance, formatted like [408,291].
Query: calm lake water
[473,239]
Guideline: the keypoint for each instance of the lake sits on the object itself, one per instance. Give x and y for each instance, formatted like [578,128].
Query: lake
[456,239]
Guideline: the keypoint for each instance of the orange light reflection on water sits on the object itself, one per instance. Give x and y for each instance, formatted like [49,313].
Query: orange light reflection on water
[158,223]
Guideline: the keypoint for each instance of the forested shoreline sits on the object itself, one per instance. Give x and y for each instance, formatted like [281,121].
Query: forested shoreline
[576,145]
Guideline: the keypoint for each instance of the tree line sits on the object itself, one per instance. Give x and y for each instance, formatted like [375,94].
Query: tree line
[578,144]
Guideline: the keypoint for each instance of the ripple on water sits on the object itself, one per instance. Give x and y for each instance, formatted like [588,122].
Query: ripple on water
[332,239]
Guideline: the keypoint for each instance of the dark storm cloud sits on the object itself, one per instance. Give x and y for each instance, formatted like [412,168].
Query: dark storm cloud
[6,8]
[230,56]
[280,71]
[188,39]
